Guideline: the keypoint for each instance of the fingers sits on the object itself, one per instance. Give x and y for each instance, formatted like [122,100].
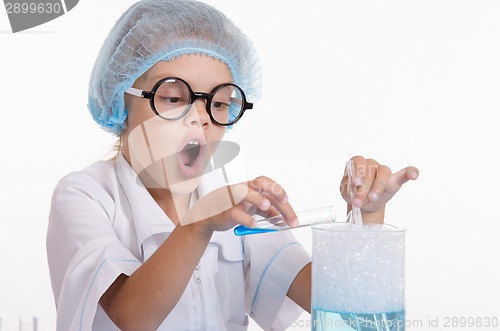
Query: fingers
[277,197]
[399,178]
[237,203]
[270,188]
[258,200]
[271,212]
[368,180]
[372,181]
[240,216]
[383,174]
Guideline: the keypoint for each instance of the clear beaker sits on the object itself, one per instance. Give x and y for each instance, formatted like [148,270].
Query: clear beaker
[358,277]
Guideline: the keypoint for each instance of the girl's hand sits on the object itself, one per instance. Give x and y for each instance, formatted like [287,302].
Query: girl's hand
[374,185]
[235,204]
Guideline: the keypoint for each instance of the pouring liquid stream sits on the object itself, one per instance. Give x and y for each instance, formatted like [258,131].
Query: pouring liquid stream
[354,216]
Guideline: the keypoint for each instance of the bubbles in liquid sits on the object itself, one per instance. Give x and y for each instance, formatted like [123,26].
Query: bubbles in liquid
[358,269]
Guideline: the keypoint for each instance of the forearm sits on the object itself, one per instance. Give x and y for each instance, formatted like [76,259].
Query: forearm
[300,290]
[143,300]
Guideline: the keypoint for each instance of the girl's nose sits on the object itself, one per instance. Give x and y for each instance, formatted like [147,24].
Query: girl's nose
[197,115]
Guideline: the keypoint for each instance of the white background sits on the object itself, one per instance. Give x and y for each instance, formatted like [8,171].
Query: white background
[404,82]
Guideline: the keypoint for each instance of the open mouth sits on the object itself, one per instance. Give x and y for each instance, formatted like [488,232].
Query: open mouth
[190,153]
[190,158]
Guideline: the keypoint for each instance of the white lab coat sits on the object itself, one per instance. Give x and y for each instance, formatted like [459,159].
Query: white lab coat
[103,222]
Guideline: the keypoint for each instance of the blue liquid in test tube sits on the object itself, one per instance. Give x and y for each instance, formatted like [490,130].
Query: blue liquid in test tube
[277,223]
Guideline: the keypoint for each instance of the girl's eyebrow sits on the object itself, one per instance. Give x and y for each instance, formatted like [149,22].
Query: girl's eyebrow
[156,78]
[160,76]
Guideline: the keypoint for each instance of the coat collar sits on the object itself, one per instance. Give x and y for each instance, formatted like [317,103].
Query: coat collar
[149,219]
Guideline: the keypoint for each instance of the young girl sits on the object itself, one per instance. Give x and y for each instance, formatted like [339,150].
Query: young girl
[145,241]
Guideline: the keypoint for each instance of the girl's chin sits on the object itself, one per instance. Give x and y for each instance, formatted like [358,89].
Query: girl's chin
[157,180]
[169,173]
[185,187]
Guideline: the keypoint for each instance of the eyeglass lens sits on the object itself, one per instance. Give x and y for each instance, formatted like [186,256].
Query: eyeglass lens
[173,99]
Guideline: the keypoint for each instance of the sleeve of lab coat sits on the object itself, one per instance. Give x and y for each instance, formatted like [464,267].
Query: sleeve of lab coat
[84,254]
[272,261]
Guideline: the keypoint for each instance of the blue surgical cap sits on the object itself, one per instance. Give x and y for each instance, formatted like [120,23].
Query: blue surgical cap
[162,30]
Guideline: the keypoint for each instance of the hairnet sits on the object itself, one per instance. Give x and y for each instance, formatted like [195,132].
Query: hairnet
[162,30]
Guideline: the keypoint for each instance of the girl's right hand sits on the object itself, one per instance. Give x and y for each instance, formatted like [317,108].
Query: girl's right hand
[235,204]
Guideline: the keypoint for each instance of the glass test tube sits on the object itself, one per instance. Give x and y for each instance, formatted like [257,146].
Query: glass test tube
[277,223]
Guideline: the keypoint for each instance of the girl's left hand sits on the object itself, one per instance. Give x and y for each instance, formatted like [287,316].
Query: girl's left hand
[374,185]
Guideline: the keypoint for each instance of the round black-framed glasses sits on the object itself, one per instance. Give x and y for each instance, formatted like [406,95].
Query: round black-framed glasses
[171,99]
